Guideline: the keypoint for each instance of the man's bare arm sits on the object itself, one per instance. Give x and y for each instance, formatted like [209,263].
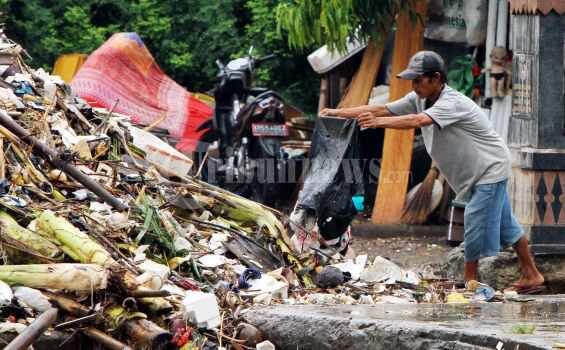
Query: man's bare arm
[410,121]
[353,112]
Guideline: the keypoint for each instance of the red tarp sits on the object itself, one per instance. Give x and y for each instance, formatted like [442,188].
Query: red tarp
[122,68]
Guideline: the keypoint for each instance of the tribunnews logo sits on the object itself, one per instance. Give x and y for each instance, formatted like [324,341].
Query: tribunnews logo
[269,170]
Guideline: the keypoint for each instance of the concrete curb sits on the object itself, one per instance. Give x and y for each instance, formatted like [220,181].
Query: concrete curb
[387,326]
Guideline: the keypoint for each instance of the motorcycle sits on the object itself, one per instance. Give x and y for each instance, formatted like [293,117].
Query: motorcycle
[250,128]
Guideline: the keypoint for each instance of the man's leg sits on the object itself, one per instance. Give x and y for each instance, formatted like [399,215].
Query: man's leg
[482,226]
[471,270]
[531,276]
[511,233]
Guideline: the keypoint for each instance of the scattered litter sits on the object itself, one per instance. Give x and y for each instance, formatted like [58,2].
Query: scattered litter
[266,345]
[81,195]
[9,200]
[331,277]
[328,299]
[353,268]
[249,333]
[246,276]
[212,260]
[381,270]
[32,298]
[457,298]
[6,294]
[201,309]
[267,284]
[366,299]
[118,221]
[182,243]
[11,327]
[482,291]
[390,299]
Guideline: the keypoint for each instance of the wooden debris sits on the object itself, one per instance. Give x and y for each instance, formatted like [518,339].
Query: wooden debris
[33,331]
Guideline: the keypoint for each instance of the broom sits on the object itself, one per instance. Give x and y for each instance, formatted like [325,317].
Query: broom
[419,206]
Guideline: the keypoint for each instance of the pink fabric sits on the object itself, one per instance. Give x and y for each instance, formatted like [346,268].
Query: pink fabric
[122,68]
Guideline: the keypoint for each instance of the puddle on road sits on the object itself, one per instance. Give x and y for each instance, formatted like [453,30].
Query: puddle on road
[546,311]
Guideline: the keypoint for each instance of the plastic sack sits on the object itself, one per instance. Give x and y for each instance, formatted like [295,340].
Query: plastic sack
[334,175]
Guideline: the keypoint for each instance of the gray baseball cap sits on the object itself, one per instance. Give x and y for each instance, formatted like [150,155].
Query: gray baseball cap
[422,62]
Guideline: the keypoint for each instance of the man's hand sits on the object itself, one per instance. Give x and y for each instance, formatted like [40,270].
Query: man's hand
[328,111]
[367,120]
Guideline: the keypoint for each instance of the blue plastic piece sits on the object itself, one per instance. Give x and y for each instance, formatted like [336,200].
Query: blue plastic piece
[358,202]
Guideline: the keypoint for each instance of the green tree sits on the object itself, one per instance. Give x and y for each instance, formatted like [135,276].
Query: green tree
[185,37]
[335,22]
[47,28]
[290,73]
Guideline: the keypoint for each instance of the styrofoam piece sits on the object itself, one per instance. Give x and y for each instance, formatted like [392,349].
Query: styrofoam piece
[266,345]
[266,284]
[201,309]
[382,270]
[32,298]
[323,60]
[68,134]
[354,268]
[182,243]
[12,327]
[159,152]
[6,294]
[212,261]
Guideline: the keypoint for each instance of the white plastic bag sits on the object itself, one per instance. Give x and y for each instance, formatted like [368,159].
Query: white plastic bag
[32,298]
[6,294]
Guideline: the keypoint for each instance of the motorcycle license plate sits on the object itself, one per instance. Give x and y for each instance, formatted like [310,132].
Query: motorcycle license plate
[266,129]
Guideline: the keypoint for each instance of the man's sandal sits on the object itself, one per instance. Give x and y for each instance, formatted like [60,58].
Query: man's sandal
[527,290]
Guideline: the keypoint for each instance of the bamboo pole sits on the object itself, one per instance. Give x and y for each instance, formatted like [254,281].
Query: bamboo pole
[33,331]
[362,83]
[323,101]
[398,144]
[66,304]
[147,335]
[73,277]
[104,339]
[149,293]
[2,160]
[502,23]
[81,247]
[491,39]
[143,334]
[31,241]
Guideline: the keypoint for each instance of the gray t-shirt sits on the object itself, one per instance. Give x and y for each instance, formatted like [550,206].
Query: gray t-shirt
[461,140]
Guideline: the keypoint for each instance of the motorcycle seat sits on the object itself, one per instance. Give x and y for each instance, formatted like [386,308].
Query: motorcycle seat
[256,91]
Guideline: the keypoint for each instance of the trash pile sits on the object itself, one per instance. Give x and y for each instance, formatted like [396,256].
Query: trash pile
[104,234]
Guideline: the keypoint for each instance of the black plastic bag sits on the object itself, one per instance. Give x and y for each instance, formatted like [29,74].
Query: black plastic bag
[334,175]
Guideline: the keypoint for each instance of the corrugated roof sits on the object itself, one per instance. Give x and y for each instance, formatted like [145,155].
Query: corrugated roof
[520,7]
